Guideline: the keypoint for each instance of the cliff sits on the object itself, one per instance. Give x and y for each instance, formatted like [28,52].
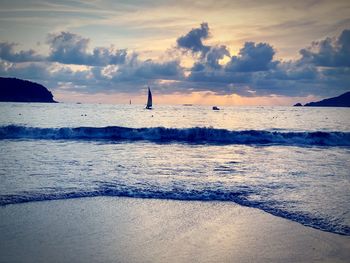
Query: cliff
[17,90]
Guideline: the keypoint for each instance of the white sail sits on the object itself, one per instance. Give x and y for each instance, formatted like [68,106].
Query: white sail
[149,99]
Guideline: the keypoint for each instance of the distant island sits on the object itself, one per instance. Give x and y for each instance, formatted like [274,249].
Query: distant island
[298,105]
[18,90]
[340,101]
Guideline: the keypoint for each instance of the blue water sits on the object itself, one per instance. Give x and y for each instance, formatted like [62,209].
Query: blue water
[290,162]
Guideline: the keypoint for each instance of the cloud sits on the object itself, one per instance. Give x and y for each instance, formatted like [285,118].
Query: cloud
[69,48]
[209,55]
[215,54]
[329,52]
[253,57]
[136,70]
[66,48]
[128,77]
[8,53]
[209,64]
[46,73]
[192,41]
[254,72]
[34,71]
[323,70]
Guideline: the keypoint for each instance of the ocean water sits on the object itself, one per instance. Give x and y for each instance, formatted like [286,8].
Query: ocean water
[292,162]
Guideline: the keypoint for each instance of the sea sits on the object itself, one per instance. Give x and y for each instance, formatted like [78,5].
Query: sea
[291,162]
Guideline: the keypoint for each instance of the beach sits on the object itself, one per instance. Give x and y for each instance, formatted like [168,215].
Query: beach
[116,229]
[176,184]
[174,131]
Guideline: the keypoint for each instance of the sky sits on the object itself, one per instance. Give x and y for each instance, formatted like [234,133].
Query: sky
[203,52]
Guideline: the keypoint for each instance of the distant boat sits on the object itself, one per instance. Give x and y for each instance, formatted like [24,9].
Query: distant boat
[215,108]
[149,100]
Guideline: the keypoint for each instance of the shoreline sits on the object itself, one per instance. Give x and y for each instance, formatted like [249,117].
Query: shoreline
[121,229]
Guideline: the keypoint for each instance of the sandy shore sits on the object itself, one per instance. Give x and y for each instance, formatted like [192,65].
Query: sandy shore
[107,229]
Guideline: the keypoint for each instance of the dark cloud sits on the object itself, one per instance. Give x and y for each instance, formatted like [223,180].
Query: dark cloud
[128,77]
[192,41]
[46,73]
[201,73]
[8,53]
[31,71]
[253,57]
[336,79]
[66,48]
[210,62]
[286,78]
[254,72]
[147,70]
[329,52]
[322,70]
[69,48]
[209,55]
[215,54]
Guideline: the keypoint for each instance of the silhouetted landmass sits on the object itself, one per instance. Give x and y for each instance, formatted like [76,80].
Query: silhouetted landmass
[297,105]
[340,101]
[18,90]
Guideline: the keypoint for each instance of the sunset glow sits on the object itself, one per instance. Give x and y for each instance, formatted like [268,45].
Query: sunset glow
[222,52]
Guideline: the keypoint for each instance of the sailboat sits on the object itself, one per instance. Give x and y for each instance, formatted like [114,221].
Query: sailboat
[149,100]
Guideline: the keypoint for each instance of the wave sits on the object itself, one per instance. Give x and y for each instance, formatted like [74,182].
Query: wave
[239,196]
[190,135]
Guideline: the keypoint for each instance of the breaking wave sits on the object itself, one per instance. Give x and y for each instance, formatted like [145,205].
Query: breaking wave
[190,135]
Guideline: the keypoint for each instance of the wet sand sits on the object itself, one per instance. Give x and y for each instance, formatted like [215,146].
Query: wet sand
[111,229]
